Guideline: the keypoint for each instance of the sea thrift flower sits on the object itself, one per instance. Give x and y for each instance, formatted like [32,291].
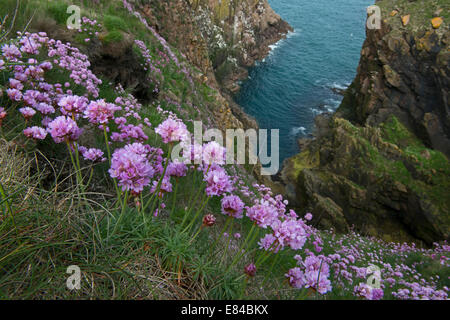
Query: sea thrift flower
[92,154]
[130,166]
[36,133]
[44,108]
[27,112]
[2,115]
[100,112]
[290,232]
[64,129]
[11,52]
[218,182]
[250,270]
[267,243]
[213,153]
[14,94]
[165,187]
[316,274]
[172,130]
[72,105]
[296,278]
[365,291]
[176,169]
[263,213]
[232,206]
[209,220]
[308,216]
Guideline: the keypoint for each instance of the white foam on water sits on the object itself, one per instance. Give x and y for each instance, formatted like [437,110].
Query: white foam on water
[297,130]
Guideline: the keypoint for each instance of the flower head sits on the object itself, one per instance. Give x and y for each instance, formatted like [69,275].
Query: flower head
[218,182]
[213,153]
[172,130]
[92,154]
[263,213]
[72,105]
[209,220]
[100,112]
[27,112]
[130,166]
[232,206]
[176,169]
[250,270]
[64,128]
[36,133]
[2,115]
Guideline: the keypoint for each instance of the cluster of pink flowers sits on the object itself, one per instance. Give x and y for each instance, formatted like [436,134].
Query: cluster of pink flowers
[367,292]
[100,112]
[36,133]
[64,129]
[172,130]
[92,154]
[218,182]
[131,167]
[312,273]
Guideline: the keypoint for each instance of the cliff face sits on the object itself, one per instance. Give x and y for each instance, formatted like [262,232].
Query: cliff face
[220,37]
[377,164]
[404,71]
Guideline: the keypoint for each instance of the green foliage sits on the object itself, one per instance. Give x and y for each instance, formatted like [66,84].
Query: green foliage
[113,36]
[114,23]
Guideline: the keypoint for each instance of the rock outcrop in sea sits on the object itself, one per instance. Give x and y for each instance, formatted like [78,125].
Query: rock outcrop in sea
[380,164]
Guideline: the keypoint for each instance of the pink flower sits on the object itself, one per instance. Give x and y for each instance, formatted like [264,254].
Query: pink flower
[165,187]
[250,270]
[267,243]
[94,155]
[218,182]
[100,112]
[131,167]
[36,133]
[27,112]
[64,128]
[44,108]
[14,94]
[2,115]
[172,130]
[176,169]
[232,206]
[263,213]
[365,291]
[71,105]
[296,278]
[11,52]
[308,216]
[213,153]
[209,220]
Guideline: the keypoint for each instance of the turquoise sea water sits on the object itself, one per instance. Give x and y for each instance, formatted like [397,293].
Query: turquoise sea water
[294,83]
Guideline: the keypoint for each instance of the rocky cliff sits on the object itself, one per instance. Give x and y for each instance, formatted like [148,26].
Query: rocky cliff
[221,37]
[404,71]
[379,163]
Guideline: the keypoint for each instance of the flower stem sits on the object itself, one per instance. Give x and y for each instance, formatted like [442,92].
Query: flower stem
[108,150]
[196,215]
[174,199]
[124,205]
